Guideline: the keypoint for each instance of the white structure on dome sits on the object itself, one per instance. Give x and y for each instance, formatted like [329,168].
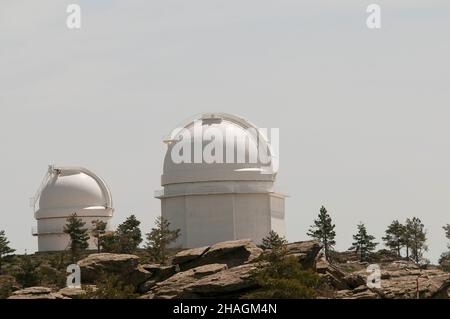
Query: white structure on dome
[64,191]
[214,202]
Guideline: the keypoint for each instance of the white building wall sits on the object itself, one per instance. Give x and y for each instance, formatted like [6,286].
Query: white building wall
[252,216]
[59,242]
[277,214]
[211,218]
[51,236]
[173,209]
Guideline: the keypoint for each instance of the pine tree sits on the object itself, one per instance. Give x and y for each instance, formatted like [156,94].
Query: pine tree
[98,232]
[363,242]
[78,235]
[444,260]
[4,248]
[110,243]
[323,230]
[406,240]
[273,241]
[27,276]
[110,286]
[416,237]
[159,238]
[129,235]
[394,239]
[447,233]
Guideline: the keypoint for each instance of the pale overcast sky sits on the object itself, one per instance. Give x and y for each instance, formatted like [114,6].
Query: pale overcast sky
[363,114]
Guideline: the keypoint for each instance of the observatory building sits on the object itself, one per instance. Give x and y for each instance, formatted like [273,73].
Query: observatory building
[221,194]
[64,191]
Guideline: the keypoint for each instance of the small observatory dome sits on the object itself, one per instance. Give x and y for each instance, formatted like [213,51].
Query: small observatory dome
[218,181]
[64,191]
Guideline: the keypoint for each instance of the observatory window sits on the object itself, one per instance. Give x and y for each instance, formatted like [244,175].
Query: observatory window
[212,120]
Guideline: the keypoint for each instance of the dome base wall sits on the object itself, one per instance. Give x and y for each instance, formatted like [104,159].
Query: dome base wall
[211,218]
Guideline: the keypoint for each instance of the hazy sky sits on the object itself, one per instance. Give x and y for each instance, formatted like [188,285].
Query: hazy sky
[363,114]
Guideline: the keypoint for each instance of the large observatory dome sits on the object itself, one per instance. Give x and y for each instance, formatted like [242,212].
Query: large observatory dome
[218,181]
[245,153]
[65,191]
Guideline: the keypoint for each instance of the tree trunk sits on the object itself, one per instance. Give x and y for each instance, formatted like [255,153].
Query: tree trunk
[163,255]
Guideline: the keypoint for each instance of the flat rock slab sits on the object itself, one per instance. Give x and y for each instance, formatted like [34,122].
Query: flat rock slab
[232,253]
[36,293]
[187,255]
[176,284]
[72,292]
[225,283]
[33,291]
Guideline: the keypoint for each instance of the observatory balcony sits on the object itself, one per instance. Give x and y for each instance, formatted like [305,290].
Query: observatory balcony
[159,193]
[212,188]
[35,231]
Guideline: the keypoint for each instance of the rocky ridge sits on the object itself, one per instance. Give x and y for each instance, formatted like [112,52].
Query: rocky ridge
[224,270]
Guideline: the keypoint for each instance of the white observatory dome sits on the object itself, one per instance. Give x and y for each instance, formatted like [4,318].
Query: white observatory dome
[64,191]
[74,189]
[222,191]
[245,137]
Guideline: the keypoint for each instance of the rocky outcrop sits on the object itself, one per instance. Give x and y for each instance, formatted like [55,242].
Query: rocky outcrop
[197,283]
[36,293]
[125,266]
[232,253]
[332,277]
[306,252]
[177,284]
[228,283]
[432,283]
[157,273]
[399,280]
[361,292]
[190,265]
[224,270]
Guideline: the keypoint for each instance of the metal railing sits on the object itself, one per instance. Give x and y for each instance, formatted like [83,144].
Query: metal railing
[35,231]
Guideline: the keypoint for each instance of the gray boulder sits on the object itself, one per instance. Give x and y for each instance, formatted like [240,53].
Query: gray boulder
[158,273]
[306,252]
[175,285]
[125,266]
[227,283]
[188,255]
[232,253]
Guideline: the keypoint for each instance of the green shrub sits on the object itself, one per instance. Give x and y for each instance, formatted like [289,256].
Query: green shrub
[26,275]
[444,262]
[110,287]
[283,278]
[7,286]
